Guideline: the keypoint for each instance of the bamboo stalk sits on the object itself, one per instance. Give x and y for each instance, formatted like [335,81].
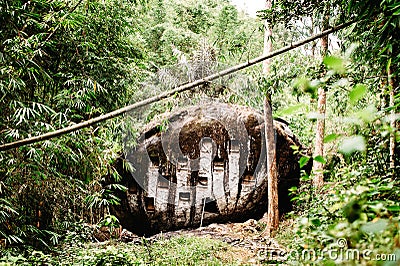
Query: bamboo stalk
[170,93]
[392,136]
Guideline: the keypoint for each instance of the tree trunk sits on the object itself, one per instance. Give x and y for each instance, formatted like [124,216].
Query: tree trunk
[325,39]
[318,167]
[273,212]
[324,45]
[267,41]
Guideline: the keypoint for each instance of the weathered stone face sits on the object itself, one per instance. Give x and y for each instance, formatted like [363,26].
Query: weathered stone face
[208,166]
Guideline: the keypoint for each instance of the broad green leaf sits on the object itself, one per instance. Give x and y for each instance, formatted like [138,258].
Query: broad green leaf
[320,159]
[335,63]
[331,137]
[375,227]
[393,208]
[363,217]
[357,93]
[303,161]
[352,144]
[316,221]
[294,147]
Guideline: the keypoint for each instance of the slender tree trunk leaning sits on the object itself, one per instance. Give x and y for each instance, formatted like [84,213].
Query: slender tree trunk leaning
[267,41]
[273,212]
[392,137]
[318,167]
[324,46]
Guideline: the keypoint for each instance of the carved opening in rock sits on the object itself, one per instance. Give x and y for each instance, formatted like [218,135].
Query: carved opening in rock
[248,178]
[149,204]
[210,206]
[133,188]
[163,182]
[184,196]
[202,181]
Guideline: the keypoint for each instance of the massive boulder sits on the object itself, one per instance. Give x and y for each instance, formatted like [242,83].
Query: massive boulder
[200,165]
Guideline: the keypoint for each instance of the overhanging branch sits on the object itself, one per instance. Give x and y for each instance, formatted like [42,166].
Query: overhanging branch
[170,93]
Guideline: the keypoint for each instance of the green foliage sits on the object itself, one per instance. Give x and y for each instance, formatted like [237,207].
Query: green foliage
[379,32]
[358,207]
[357,93]
[111,222]
[331,137]
[303,161]
[105,197]
[60,62]
[361,214]
[174,251]
[286,10]
[334,63]
[355,205]
[184,26]
[8,229]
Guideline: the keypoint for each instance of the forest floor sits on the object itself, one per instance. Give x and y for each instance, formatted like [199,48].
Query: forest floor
[216,244]
[248,240]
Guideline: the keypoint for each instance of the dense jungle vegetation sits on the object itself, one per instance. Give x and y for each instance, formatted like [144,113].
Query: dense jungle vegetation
[63,62]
